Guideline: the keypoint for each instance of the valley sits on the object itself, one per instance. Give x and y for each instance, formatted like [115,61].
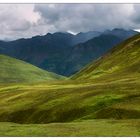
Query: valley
[70,69]
[102,99]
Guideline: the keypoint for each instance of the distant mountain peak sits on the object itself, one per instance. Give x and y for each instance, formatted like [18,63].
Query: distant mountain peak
[48,34]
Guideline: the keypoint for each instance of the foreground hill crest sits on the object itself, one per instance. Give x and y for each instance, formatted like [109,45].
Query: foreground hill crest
[13,70]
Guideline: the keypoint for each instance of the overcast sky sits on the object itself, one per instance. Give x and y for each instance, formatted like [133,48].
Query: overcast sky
[26,20]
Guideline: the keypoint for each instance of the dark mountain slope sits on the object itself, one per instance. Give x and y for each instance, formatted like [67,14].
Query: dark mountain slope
[121,33]
[83,53]
[83,37]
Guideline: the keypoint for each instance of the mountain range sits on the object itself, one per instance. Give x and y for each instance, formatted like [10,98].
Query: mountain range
[64,53]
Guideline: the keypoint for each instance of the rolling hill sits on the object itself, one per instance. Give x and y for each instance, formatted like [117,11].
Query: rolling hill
[13,70]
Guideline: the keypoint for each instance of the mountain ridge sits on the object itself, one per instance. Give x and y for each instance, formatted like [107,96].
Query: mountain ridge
[58,52]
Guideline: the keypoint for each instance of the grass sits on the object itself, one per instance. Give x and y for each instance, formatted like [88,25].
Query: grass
[13,70]
[83,128]
[68,101]
[71,108]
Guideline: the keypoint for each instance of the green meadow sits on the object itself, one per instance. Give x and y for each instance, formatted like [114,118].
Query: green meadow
[71,108]
[96,128]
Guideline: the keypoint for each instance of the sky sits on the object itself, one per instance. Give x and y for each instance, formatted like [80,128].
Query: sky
[27,20]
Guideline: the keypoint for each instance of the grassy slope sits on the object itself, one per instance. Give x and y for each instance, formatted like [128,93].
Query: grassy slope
[121,62]
[13,70]
[70,101]
[74,105]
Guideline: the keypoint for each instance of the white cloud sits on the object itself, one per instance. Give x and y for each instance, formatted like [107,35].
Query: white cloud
[15,19]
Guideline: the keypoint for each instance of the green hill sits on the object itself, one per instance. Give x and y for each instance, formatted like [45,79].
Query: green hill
[13,70]
[123,61]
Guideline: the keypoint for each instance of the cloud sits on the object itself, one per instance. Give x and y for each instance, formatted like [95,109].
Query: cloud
[16,19]
[26,20]
[83,17]
[136,14]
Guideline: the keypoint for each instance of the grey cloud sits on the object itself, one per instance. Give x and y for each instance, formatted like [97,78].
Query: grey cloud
[26,20]
[22,26]
[84,17]
[136,14]
[16,20]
